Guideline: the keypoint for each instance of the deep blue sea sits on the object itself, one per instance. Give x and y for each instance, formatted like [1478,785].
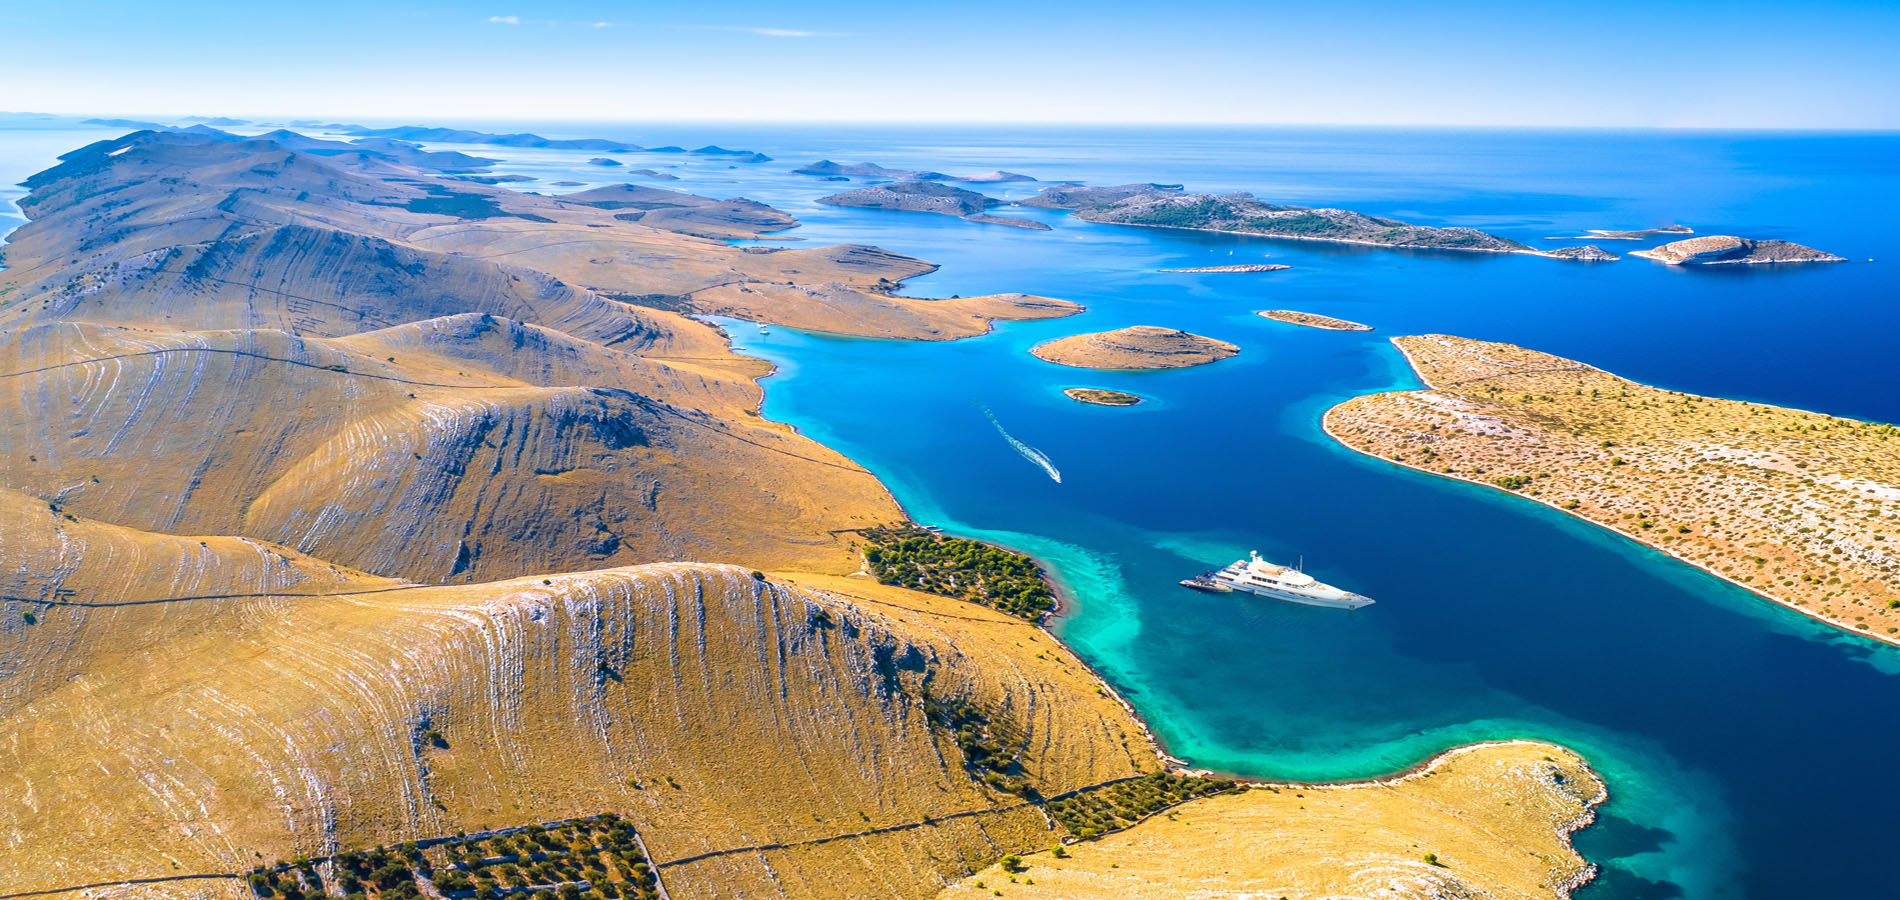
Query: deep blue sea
[1749,751]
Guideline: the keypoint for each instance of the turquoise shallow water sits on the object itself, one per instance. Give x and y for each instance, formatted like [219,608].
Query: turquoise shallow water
[1749,751]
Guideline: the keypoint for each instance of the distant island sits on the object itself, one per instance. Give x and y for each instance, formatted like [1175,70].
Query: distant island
[997,177]
[1585,253]
[1166,206]
[744,156]
[1312,320]
[1078,196]
[1136,347]
[604,161]
[1235,269]
[134,124]
[1101,396]
[1725,249]
[827,169]
[930,197]
[530,140]
[1793,505]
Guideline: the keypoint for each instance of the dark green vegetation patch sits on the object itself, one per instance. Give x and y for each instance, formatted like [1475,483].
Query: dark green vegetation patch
[954,567]
[580,859]
[1112,807]
[990,754]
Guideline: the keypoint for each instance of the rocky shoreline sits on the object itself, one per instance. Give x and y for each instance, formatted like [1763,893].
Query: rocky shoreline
[1136,347]
[1328,425]
[1243,268]
[1729,250]
[1311,320]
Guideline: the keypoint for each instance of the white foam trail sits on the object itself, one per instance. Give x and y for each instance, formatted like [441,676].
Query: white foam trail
[1029,453]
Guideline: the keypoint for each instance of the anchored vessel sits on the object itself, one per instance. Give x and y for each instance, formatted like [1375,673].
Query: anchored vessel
[1257,576]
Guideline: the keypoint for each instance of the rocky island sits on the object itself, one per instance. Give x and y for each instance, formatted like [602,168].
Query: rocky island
[1585,253]
[1166,206]
[825,168]
[1135,347]
[930,197]
[1312,320]
[1101,396]
[1728,250]
[1797,506]
[833,171]
[1244,214]
[1079,196]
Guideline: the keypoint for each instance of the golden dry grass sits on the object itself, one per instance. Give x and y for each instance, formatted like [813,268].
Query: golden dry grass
[1800,507]
[294,474]
[1135,347]
[275,706]
[1312,320]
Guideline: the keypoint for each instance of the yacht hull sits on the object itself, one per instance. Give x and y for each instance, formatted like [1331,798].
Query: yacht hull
[1350,602]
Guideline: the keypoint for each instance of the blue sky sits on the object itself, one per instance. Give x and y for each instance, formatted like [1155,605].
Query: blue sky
[1826,64]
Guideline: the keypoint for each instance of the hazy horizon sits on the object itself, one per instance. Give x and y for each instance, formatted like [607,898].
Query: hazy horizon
[253,119]
[1741,65]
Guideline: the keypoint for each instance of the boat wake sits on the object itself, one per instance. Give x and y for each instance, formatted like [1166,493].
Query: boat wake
[1029,453]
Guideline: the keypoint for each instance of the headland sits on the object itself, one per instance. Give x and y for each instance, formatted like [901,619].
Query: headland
[1798,507]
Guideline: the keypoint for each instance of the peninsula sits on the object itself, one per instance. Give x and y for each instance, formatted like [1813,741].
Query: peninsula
[1802,508]
[1432,833]
[1312,320]
[1728,250]
[1101,396]
[1135,347]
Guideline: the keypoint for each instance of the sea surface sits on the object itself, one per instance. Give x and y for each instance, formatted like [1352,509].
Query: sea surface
[1750,752]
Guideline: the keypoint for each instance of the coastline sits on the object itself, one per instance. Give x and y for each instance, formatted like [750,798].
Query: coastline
[1311,320]
[1326,426]
[1565,830]
[1067,601]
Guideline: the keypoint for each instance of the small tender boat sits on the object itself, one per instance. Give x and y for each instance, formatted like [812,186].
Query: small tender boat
[1205,582]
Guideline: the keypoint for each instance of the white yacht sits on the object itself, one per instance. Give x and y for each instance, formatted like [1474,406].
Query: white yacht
[1257,576]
